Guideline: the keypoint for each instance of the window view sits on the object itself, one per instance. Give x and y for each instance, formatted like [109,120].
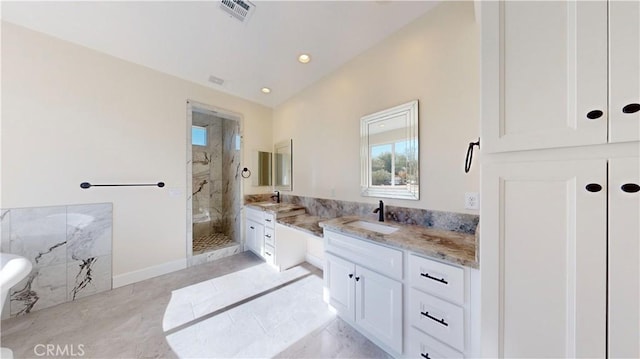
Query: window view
[198,136]
[391,163]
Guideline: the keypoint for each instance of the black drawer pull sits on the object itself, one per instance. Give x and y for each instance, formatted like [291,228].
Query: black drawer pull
[441,280]
[592,115]
[268,220]
[425,356]
[593,187]
[267,253]
[631,108]
[441,321]
[630,187]
[252,227]
[267,235]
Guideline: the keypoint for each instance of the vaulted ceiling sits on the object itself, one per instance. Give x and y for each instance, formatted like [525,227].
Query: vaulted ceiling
[197,40]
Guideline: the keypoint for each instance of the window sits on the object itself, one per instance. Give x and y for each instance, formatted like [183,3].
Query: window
[391,158]
[198,136]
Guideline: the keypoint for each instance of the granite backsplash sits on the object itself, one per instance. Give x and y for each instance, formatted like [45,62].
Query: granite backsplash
[331,208]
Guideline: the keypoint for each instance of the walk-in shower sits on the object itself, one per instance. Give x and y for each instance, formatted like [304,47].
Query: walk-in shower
[215,184]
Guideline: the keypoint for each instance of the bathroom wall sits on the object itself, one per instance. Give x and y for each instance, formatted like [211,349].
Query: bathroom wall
[435,60]
[71,114]
[69,248]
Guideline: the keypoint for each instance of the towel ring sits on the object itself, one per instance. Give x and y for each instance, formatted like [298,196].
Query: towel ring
[245,170]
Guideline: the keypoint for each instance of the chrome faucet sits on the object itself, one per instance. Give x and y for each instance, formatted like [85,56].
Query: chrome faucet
[380,211]
[276,196]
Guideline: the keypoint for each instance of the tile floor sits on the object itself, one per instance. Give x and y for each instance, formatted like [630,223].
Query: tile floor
[235,307]
[210,242]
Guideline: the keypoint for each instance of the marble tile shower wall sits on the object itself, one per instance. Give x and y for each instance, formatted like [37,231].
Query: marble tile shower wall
[231,196]
[69,248]
[330,208]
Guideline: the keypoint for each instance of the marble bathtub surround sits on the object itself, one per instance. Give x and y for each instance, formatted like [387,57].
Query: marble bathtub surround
[69,248]
[330,208]
[451,246]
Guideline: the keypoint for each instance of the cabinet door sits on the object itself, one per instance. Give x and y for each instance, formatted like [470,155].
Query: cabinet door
[259,238]
[544,69]
[250,236]
[339,279]
[379,306]
[543,255]
[624,259]
[624,70]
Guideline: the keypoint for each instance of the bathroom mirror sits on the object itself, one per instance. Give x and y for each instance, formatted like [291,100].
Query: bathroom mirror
[262,166]
[389,153]
[282,165]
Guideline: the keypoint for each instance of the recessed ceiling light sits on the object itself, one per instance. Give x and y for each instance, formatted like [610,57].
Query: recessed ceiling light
[266,90]
[304,58]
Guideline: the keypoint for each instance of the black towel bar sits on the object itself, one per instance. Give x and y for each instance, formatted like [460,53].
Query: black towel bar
[86,185]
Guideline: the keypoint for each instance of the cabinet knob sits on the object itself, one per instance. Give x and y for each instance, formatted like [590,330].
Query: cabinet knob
[593,187]
[252,227]
[592,115]
[357,279]
[350,275]
[630,187]
[631,108]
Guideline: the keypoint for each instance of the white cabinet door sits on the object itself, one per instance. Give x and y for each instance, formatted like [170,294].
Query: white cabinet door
[544,243]
[250,236]
[339,278]
[379,306]
[544,68]
[624,70]
[624,258]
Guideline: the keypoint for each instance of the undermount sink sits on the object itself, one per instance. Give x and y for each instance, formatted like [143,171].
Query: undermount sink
[375,227]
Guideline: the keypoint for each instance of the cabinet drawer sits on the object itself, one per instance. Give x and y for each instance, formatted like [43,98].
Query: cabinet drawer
[254,215]
[269,237]
[269,220]
[443,280]
[384,260]
[440,319]
[269,254]
[422,346]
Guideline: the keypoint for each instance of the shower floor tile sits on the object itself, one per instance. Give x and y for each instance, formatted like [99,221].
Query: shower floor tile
[210,242]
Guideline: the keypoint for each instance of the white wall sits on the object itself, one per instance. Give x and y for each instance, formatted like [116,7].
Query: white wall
[71,114]
[435,60]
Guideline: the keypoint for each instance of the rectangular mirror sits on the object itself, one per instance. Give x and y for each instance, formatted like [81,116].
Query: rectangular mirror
[262,166]
[282,165]
[389,153]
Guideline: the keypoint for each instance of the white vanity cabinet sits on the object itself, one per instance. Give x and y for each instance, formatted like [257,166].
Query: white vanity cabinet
[559,73]
[363,282]
[254,231]
[439,311]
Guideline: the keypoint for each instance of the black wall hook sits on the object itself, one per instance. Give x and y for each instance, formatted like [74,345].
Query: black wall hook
[469,158]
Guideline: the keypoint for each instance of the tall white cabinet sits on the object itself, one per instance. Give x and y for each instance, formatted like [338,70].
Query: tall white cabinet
[560,210]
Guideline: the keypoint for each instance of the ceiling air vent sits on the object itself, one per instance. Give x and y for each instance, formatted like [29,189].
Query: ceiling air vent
[239,9]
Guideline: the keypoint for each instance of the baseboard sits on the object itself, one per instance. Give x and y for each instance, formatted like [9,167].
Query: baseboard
[314,261]
[149,272]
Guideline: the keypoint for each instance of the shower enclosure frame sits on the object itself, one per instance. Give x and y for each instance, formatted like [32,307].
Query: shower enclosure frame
[218,112]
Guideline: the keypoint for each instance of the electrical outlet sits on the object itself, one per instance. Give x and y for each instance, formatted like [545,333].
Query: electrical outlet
[471,200]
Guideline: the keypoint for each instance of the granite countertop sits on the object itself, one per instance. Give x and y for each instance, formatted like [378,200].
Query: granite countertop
[280,210]
[304,222]
[454,247]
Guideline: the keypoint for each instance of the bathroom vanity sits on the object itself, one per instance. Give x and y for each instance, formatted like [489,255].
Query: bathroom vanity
[275,243]
[410,289]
